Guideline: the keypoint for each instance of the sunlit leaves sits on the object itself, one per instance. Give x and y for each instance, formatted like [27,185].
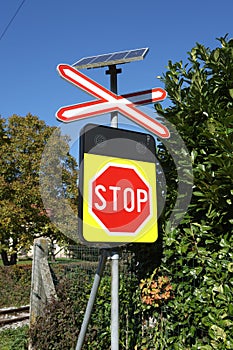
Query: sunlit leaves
[198,254]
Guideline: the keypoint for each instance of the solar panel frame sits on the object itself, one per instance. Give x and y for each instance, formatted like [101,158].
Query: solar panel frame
[109,59]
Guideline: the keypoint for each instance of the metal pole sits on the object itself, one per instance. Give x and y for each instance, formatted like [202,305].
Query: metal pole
[115,301]
[92,298]
[113,71]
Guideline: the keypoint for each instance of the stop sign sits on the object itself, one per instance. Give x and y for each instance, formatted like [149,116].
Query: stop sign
[120,199]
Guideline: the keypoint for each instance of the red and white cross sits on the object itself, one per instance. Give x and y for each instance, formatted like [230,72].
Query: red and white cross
[107,102]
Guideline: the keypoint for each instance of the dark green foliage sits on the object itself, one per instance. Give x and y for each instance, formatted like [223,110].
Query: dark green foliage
[61,322]
[198,253]
[15,283]
[13,339]
[58,328]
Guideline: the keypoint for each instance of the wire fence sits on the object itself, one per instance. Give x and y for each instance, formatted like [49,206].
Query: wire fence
[80,265]
[82,258]
[175,319]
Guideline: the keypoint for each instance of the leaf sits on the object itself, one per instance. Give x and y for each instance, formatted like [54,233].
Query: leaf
[230,267]
[217,333]
[218,289]
[193,155]
[198,194]
[216,54]
[231,93]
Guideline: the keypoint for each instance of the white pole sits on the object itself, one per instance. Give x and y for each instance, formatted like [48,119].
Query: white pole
[114,256]
[115,302]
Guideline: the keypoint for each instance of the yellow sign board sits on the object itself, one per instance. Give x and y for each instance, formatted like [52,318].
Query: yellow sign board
[119,200]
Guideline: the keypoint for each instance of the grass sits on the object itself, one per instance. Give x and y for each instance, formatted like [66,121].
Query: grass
[20,262]
[14,339]
[29,261]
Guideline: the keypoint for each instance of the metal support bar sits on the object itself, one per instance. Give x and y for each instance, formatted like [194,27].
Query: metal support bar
[113,71]
[115,301]
[92,298]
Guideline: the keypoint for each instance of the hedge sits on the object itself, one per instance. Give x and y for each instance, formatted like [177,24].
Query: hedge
[15,284]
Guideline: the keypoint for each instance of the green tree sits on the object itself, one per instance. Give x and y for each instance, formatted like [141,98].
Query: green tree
[198,253]
[23,216]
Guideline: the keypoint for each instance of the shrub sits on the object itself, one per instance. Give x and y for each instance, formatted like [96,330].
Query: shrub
[58,328]
[12,339]
[15,283]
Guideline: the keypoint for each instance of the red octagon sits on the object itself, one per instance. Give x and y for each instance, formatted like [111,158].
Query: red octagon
[120,199]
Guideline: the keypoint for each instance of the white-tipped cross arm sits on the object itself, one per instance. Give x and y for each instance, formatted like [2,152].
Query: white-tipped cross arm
[107,101]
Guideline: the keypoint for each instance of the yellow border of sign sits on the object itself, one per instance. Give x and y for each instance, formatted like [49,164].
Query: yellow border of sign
[92,230]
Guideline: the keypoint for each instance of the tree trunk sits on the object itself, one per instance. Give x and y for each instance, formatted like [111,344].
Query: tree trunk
[13,259]
[5,259]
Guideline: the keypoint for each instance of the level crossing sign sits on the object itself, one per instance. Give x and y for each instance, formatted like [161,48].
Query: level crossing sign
[118,193]
[107,101]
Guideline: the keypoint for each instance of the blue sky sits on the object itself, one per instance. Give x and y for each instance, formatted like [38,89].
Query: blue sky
[47,32]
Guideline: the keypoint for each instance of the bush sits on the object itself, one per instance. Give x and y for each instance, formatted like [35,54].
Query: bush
[12,339]
[15,284]
[201,316]
[190,310]
[58,328]
[198,254]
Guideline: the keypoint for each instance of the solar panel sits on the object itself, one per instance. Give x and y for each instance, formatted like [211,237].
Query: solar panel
[102,58]
[117,56]
[111,58]
[86,60]
[135,53]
